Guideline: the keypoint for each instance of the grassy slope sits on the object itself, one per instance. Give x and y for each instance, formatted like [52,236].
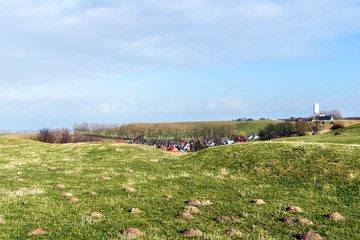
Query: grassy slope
[250,127]
[318,178]
[349,135]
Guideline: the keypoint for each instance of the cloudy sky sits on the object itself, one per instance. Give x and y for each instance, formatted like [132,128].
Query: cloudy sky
[116,61]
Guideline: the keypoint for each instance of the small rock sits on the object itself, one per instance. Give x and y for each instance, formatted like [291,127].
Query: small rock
[258,201]
[19,172]
[105,178]
[130,171]
[132,232]
[234,232]
[167,196]
[36,231]
[92,193]
[20,180]
[77,171]
[185,215]
[310,235]
[82,184]
[191,232]
[52,168]
[91,168]
[191,209]
[60,186]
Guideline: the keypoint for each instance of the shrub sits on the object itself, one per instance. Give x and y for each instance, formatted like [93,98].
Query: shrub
[337,126]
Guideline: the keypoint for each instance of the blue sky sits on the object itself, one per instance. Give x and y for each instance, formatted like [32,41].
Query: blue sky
[65,62]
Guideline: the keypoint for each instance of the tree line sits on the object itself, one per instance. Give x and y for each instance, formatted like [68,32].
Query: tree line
[159,131]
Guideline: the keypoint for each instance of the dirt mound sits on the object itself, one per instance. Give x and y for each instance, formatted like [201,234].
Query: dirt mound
[20,180]
[24,189]
[36,231]
[234,232]
[191,209]
[105,178]
[191,232]
[302,221]
[222,219]
[66,195]
[129,189]
[310,235]
[334,216]
[130,171]
[235,220]
[52,168]
[133,232]
[73,199]
[82,184]
[96,215]
[60,186]
[258,201]
[288,219]
[198,202]
[294,209]
[135,210]
[92,193]
[167,196]
[185,215]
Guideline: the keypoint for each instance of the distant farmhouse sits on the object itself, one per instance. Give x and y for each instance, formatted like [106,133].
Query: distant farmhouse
[321,116]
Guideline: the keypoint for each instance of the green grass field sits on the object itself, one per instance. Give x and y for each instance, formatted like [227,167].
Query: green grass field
[319,178]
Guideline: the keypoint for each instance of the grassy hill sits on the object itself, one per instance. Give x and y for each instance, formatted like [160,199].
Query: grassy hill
[319,178]
[347,135]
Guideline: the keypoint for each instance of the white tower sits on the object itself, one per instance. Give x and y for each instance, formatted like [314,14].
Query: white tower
[316,109]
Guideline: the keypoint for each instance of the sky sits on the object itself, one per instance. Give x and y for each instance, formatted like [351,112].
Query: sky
[116,61]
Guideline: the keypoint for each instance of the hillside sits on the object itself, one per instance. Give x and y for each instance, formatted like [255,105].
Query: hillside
[318,178]
[347,135]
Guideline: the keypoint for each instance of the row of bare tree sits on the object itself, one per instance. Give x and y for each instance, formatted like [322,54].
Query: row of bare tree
[159,131]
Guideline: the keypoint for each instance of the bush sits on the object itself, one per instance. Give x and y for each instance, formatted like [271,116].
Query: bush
[337,126]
